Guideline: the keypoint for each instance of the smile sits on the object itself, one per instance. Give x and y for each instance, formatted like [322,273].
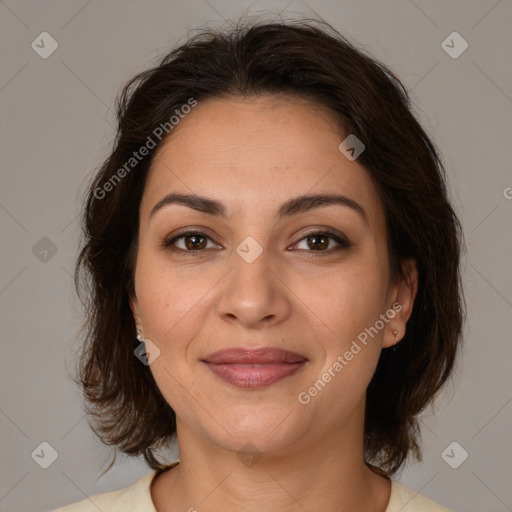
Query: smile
[254,368]
[254,375]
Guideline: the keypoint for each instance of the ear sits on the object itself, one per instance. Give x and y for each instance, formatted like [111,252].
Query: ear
[402,298]
[134,305]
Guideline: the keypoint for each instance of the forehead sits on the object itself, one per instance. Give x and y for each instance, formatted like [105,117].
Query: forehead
[255,153]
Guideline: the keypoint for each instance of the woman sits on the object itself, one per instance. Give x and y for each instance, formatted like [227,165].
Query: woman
[273,271]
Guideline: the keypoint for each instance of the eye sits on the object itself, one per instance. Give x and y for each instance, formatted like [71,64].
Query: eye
[319,241]
[193,242]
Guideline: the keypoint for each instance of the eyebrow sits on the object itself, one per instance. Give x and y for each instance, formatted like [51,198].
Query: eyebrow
[294,206]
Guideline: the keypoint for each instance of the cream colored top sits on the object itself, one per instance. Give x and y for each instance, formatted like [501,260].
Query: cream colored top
[137,498]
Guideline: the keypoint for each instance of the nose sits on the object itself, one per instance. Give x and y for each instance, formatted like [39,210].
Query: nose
[254,294]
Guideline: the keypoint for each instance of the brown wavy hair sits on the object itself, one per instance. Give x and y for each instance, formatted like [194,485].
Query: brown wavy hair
[307,59]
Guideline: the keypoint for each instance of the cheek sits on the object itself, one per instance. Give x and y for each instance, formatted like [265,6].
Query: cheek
[170,297]
[351,348]
[174,307]
[171,305]
[346,300]
[349,305]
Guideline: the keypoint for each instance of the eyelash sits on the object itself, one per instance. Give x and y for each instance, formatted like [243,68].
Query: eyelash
[343,243]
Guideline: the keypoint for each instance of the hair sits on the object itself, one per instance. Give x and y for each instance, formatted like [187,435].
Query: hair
[306,59]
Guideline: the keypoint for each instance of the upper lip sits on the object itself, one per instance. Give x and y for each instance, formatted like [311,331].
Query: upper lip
[254,356]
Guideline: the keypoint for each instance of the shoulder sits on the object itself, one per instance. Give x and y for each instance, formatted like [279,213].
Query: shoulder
[404,499]
[135,497]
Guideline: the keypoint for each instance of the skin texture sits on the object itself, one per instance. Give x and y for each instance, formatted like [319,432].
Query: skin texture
[253,154]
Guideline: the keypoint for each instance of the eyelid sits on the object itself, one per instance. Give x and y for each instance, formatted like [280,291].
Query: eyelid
[342,241]
[182,233]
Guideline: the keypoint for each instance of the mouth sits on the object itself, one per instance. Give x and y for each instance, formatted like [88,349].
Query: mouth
[254,368]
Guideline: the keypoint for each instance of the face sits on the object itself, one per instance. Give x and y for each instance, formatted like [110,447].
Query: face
[257,276]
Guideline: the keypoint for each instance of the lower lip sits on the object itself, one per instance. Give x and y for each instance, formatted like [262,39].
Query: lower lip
[249,376]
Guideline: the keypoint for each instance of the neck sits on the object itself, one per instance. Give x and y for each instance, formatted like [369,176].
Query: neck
[324,473]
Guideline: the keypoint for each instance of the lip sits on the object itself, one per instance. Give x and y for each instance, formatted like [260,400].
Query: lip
[254,356]
[254,368]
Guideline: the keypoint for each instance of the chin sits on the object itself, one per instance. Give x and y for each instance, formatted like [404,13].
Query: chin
[267,429]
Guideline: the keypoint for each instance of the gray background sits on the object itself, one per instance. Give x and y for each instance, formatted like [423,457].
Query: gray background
[57,118]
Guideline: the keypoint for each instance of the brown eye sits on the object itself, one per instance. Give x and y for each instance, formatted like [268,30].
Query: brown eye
[319,241]
[192,241]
